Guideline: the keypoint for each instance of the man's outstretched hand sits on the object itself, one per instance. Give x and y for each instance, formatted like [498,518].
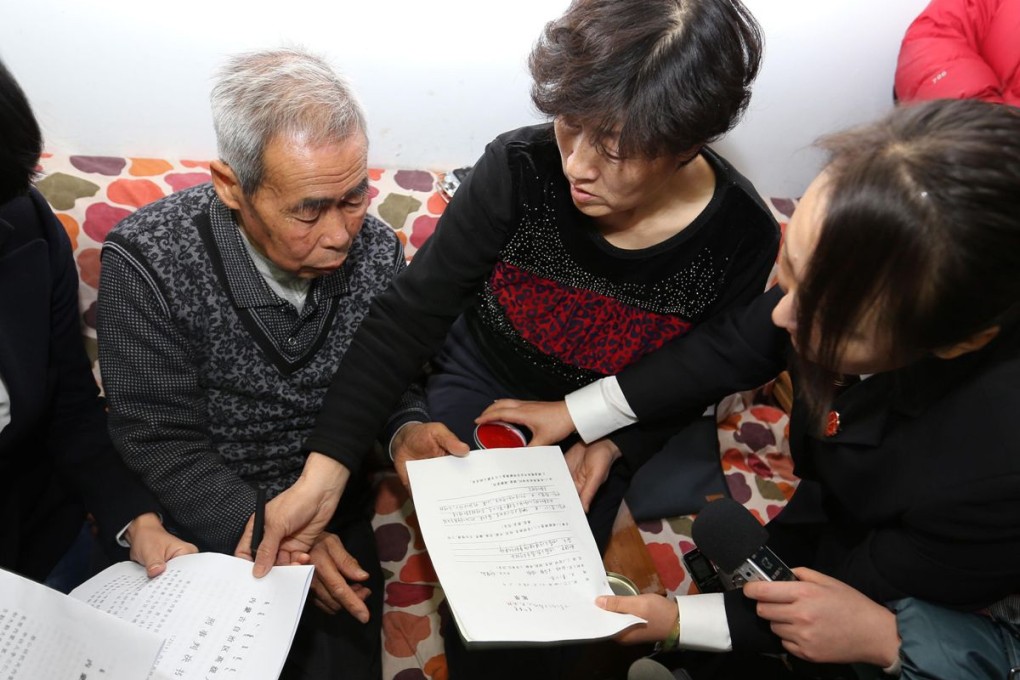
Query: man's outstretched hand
[420,441]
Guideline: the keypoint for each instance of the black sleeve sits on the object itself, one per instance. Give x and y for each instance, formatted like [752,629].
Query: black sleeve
[412,406]
[77,436]
[639,442]
[737,350]
[408,322]
[748,631]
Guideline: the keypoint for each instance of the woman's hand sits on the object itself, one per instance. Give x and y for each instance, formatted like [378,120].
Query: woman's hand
[549,421]
[152,545]
[589,466]
[660,613]
[823,620]
[296,517]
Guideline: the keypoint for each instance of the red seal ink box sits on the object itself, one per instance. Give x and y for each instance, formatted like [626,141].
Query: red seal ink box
[499,435]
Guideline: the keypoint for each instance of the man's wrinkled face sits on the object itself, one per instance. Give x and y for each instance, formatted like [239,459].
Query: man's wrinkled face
[311,204]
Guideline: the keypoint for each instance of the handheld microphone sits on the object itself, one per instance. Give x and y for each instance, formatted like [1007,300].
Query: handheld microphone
[733,539]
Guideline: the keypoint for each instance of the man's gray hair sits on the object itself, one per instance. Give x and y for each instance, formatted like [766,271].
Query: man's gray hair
[260,95]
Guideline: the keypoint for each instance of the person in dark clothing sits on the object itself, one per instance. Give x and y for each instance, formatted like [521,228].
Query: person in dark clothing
[56,457]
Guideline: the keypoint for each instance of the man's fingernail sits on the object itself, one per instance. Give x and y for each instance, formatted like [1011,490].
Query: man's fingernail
[601,600]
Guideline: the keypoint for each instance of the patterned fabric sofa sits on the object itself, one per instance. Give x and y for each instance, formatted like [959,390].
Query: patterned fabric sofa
[90,194]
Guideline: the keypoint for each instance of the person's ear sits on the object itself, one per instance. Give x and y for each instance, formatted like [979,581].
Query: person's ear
[971,344]
[688,156]
[225,182]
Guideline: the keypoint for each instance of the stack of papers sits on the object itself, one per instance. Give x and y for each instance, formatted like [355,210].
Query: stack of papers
[205,617]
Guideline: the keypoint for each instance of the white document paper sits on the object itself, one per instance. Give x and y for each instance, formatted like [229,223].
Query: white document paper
[512,547]
[219,621]
[45,634]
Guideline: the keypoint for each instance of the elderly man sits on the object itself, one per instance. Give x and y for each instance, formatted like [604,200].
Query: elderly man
[224,311]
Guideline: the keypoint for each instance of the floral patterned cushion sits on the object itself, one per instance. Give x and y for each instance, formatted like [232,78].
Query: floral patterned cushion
[90,194]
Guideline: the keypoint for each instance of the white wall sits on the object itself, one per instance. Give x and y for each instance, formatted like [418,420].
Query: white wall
[828,64]
[438,78]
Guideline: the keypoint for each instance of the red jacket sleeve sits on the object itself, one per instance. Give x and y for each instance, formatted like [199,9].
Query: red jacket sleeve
[941,56]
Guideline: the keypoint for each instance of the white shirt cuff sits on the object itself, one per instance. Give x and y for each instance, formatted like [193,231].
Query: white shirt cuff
[703,624]
[599,409]
[122,536]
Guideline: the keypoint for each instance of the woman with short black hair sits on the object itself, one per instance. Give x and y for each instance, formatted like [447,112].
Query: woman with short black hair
[590,242]
[575,247]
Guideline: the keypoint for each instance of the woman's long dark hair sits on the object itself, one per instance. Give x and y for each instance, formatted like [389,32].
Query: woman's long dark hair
[20,139]
[921,228]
